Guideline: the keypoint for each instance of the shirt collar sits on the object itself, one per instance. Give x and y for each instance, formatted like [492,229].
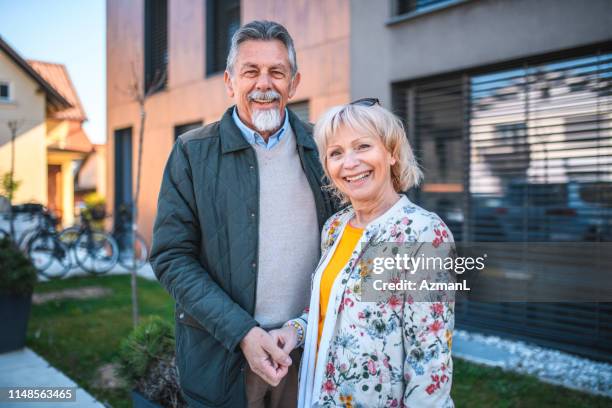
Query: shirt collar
[255,138]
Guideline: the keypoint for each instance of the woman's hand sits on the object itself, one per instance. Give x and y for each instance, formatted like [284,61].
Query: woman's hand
[286,338]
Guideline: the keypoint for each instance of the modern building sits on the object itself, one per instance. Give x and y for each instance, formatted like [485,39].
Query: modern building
[39,99]
[506,102]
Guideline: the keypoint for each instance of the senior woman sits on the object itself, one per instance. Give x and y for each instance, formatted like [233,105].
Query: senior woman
[371,354]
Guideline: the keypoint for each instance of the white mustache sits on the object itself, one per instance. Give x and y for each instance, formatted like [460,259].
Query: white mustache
[268,96]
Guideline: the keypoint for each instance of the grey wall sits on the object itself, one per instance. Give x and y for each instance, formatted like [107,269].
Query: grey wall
[470,34]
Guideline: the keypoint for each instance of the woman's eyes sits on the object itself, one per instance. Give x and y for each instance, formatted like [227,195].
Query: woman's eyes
[363,146]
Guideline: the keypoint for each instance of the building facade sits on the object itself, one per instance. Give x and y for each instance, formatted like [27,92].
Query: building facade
[183,44]
[41,101]
[508,105]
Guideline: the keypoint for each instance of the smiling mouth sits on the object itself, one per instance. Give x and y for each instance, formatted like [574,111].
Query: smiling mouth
[263,101]
[358,177]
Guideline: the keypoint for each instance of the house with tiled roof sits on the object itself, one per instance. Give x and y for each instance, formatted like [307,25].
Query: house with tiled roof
[50,142]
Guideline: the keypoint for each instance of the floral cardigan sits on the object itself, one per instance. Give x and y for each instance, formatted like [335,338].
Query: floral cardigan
[392,353]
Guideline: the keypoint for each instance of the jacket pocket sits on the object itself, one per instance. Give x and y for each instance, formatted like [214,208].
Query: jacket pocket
[201,361]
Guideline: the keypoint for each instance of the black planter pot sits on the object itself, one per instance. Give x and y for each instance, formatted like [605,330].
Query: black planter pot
[14,315]
[140,401]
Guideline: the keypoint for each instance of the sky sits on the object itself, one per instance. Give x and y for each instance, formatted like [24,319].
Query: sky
[70,32]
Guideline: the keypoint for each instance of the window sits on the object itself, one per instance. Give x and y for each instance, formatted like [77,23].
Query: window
[180,129]
[301,110]
[524,142]
[435,128]
[156,44]
[521,154]
[414,6]
[495,137]
[5,91]
[222,21]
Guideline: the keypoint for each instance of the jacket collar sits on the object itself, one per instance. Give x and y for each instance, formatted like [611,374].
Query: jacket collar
[232,139]
[303,136]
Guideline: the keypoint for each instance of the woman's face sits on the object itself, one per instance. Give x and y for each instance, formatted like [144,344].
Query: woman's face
[359,165]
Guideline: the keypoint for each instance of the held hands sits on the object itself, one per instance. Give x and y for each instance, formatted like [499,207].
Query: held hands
[286,338]
[266,357]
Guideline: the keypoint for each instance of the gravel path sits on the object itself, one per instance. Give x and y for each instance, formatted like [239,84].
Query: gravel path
[548,365]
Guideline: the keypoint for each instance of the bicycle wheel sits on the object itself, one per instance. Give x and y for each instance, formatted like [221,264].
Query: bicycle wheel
[96,252]
[4,235]
[49,256]
[69,236]
[26,238]
[138,251]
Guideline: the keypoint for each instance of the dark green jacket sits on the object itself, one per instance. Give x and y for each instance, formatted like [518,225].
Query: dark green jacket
[205,244]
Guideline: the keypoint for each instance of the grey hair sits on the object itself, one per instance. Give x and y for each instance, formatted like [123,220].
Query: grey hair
[262,30]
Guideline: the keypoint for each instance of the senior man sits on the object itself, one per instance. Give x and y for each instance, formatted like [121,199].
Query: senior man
[236,237]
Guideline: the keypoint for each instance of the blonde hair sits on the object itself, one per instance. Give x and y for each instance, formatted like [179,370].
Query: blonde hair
[374,121]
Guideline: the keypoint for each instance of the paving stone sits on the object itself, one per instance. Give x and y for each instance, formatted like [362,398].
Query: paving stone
[24,368]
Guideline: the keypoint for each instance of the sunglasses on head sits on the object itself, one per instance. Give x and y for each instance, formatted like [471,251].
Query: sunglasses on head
[366,102]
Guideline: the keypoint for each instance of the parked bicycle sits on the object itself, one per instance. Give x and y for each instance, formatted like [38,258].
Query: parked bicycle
[132,245]
[26,213]
[93,250]
[4,234]
[49,255]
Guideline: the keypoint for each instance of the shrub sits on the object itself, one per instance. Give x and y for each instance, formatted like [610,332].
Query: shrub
[17,274]
[9,187]
[95,209]
[147,362]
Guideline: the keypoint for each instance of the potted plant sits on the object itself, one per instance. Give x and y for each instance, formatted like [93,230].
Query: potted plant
[147,363]
[17,280]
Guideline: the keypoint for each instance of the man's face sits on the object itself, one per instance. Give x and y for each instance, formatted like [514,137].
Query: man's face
[261,84]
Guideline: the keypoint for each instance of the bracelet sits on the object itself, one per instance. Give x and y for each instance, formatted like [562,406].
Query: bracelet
[299,328]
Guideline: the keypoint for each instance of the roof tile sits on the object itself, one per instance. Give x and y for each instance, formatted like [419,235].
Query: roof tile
[57,75]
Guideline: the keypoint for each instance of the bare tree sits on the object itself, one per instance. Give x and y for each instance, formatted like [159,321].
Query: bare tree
[14,126]
[140,91]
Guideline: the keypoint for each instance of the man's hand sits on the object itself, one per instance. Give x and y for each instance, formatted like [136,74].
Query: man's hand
[265,357]
[285,337]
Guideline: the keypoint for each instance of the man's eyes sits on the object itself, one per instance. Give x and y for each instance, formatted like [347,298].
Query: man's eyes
[253,73]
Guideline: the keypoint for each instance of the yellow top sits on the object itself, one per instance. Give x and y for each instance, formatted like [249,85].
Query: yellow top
[348,241]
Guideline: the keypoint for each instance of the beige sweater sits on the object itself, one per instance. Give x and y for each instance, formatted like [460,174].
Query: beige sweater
[288,234]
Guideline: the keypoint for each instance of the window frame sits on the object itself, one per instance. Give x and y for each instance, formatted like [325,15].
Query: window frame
[300,104]
[396,17]
[149,73]
[9,87]
[186,127]
[212,66]
[407,114]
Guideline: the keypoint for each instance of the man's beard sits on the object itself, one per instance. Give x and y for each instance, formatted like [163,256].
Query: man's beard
[266,120]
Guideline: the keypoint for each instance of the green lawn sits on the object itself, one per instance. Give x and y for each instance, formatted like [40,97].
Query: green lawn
[78,336]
